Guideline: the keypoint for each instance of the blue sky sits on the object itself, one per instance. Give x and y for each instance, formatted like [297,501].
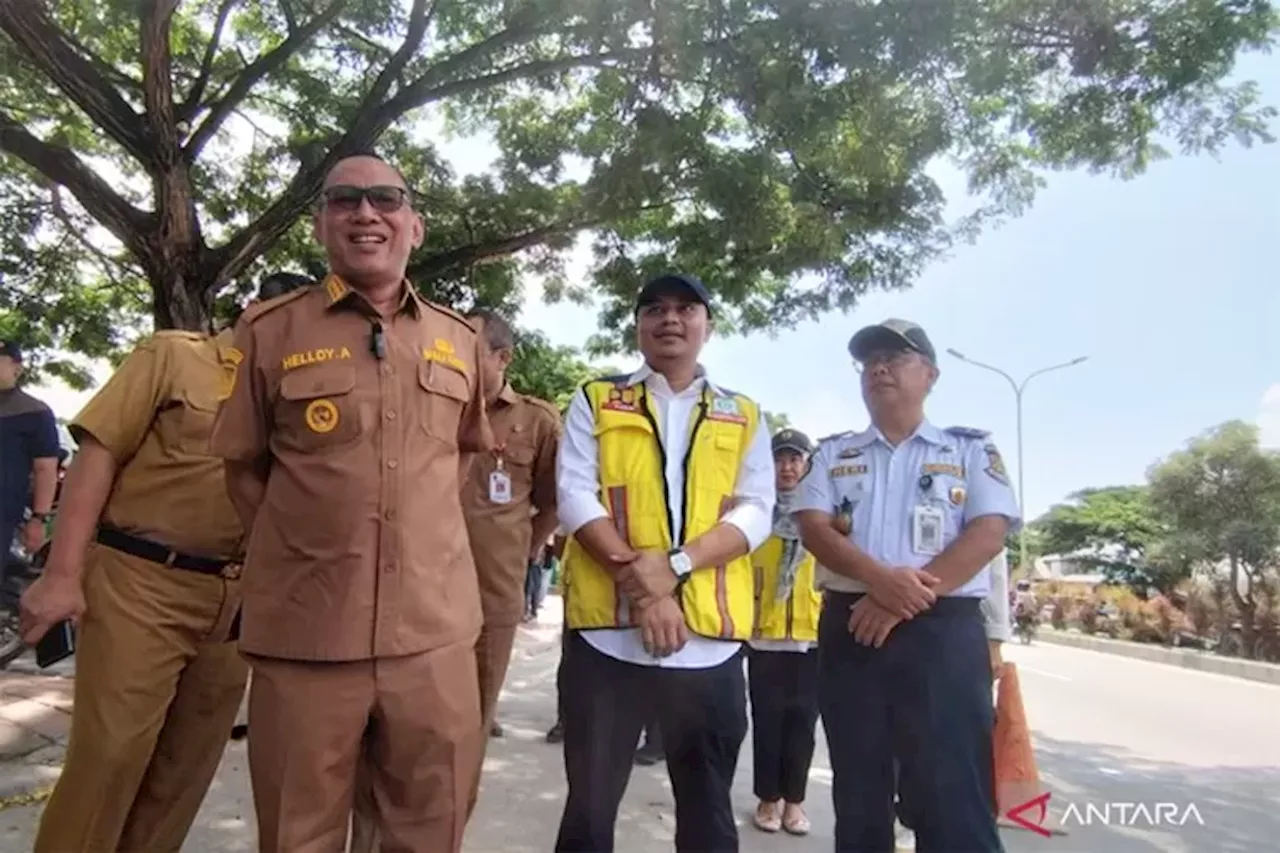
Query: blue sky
[1165,282]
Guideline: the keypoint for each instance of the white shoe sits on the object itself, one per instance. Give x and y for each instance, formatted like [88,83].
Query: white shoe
[904,838]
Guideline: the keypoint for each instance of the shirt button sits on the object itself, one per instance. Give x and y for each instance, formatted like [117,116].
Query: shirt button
[391,463]
[391,415]
[390,515]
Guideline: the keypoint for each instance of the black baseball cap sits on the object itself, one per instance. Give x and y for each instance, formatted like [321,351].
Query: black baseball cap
[674,282]
[12,350]
[792,439]
[892,334]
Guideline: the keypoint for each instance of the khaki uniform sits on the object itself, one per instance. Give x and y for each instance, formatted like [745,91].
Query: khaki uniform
[157,684]
[526,432]
[526,435]
[361,608]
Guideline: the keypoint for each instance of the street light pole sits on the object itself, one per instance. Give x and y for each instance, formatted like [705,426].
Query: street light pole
[1018,388]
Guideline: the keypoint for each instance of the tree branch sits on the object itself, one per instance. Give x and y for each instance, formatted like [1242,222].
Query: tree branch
[191,104]
[75,230]
[253,74]
[60,165]
[419,18]
[47,48]
[157,77]
[437,264]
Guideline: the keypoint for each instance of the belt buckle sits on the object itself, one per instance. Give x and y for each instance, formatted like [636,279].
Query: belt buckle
[232,571]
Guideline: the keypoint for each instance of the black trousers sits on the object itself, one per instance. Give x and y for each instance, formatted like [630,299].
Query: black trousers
[784,715]
[924,701]
[702,714]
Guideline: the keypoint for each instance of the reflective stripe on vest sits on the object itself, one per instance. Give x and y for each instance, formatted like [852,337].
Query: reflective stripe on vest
[796,618]
[718,602]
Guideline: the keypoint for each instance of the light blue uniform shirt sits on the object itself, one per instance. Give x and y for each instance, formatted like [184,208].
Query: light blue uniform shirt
[878,486]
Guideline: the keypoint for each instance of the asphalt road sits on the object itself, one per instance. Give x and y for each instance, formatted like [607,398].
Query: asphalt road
[1107,731]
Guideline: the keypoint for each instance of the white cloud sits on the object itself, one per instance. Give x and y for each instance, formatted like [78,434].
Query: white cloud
[1269,417]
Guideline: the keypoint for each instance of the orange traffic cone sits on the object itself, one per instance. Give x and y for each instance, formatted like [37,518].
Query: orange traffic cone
[1018,788]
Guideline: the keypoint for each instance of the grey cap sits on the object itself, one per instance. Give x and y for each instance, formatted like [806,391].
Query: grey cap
[792,439]
[891,334]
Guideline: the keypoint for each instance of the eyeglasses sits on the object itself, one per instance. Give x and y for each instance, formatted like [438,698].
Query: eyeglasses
[347,199]
[892,360]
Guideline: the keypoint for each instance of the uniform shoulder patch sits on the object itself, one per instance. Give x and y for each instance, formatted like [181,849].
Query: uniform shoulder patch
[266,306]
[967,432]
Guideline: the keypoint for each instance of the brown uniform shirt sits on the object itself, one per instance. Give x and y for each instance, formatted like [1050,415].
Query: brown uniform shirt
[358,548]
[154,416]
[526,434]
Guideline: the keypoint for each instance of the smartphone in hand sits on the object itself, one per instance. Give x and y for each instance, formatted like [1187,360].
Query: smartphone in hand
[56,645]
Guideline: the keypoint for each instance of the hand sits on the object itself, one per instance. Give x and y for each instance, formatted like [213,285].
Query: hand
[662,627]
[905,592]
[32,535]
[870,623]
[47,602]
[648,576]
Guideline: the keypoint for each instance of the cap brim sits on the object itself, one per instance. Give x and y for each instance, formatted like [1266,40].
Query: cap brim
[674,284]
[872,338]
[793,447]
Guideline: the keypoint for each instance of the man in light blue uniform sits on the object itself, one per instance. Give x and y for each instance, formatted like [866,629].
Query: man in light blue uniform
[904,518]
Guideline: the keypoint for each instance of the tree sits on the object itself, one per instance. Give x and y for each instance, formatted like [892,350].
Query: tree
[158,153]
[776,422]
[548,372]
[1222,496]
[1110,530]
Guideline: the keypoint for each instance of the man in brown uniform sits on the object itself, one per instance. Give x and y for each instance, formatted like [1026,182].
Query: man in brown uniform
[342,437]
[509,502]
[145,559]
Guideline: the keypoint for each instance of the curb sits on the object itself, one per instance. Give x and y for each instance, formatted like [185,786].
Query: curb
[1266,673]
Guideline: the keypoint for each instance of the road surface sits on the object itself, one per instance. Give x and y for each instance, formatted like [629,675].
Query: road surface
[1108,730]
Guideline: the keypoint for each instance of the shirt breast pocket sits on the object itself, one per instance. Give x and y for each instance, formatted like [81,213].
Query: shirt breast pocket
[186,424]
[445,392]
[949,495]
[317,409]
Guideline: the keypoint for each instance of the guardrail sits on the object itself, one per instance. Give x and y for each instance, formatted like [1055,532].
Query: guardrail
[1268,673]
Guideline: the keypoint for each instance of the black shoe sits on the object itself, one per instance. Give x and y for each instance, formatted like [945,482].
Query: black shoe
[649,755]
[556,733]
[240,732]
[495,730]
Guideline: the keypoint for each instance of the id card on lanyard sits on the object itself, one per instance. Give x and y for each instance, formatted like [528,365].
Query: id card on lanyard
[499,479]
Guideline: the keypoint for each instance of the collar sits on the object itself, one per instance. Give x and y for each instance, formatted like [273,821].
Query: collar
[508,395]
[338,291]
[926,432]
[645,373]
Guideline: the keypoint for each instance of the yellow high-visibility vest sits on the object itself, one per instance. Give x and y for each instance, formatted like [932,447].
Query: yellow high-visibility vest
[796,616]
[718,602]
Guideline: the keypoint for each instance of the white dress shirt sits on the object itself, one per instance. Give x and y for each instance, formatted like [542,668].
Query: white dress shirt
[578,493]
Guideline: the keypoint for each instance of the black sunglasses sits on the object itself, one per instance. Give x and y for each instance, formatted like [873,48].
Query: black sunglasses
[384,199]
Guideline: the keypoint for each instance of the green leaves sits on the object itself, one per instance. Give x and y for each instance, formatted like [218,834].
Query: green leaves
[778,151]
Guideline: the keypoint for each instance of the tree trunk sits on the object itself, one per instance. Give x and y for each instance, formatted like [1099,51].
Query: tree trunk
[1246,606]
[182,285]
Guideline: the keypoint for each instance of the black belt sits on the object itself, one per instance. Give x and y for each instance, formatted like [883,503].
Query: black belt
[154,552]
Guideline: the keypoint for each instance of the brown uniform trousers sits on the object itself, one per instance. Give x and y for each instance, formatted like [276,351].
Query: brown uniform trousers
[361,608]
[527,433]
[157,684]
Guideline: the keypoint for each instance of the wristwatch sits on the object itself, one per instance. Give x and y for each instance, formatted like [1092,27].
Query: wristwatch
[680,563]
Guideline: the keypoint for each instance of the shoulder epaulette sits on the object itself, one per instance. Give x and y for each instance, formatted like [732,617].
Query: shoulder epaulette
[967,432]
[542,404]
[179,334]
[258,309]
[450,313]
[833,436]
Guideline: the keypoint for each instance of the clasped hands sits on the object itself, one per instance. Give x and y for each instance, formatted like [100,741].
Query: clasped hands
[646,578]
[894,596]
